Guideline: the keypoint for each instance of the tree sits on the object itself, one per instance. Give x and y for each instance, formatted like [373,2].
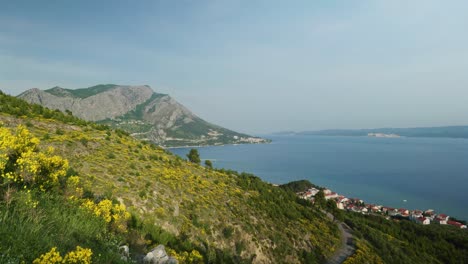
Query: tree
[209,164]
[320,199]
[193,156]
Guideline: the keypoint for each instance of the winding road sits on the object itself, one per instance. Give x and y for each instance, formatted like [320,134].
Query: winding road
[347,243]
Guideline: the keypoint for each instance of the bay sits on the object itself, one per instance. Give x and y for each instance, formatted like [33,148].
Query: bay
[412,173]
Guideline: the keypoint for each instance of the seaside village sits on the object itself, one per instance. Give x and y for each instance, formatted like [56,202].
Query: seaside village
[357,205]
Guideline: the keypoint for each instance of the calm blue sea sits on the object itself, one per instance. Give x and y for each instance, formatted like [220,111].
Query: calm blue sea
[426,172]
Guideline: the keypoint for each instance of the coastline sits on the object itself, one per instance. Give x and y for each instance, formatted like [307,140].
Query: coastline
[372,169]
[357,205]
[221,145]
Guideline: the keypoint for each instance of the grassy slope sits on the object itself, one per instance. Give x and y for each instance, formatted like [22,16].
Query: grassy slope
[237,215]
[27,232]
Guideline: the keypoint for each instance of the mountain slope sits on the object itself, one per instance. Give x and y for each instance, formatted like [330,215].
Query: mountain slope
[228,217]
[140,111]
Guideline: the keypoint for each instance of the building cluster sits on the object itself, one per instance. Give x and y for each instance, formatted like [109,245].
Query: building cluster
[358,206]
[252,140]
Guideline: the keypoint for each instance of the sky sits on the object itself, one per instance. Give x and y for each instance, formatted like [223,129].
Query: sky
[253,66]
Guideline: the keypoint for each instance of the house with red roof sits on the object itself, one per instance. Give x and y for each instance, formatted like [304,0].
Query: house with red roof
[457,224]
[441,219]
[417,213]
[331,195]
[403,212]
[430,213]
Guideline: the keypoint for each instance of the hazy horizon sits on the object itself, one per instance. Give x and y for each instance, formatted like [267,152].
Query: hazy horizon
[256,67]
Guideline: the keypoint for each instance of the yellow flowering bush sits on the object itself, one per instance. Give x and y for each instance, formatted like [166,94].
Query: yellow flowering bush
[79,256]
[41,169]
[116,215]
[193,257]
[51,257]
[21,142]
[22,164]
[120,216]
[363,254]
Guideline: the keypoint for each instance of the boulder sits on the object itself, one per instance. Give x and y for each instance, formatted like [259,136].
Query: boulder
[158,255]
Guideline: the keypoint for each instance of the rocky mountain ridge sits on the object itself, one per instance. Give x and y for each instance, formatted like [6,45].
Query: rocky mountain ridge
[140,111]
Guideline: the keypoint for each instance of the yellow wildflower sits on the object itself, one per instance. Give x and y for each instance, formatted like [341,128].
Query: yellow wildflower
[50,257]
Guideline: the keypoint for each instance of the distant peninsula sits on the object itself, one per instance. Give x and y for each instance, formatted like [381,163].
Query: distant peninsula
[431,132]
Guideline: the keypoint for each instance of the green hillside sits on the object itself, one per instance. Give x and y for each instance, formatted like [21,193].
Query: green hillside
[225,216]
[82,92]
[403,241]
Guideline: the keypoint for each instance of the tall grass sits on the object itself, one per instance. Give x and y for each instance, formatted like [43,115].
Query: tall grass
[26,231]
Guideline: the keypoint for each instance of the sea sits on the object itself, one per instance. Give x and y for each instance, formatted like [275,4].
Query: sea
[411,173]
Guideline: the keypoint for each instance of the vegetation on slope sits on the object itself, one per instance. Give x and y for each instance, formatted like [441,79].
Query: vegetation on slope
[226,216]
[40,207]
[20,108]
[298,186]
[81,93]
[381,240]
[407,242]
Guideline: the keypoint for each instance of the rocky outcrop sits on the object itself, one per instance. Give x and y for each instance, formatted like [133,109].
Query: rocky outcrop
[159,256]
[108,104]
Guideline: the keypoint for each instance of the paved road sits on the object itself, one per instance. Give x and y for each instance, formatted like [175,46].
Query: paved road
[347,244]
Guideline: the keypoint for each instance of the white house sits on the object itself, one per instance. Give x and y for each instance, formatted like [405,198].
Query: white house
[340,206]
[422,220]
[331,195]
[441,219]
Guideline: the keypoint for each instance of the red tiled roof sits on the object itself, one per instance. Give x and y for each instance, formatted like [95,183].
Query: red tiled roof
[455,223]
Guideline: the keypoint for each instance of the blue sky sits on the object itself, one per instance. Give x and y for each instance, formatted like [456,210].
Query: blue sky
[253,66]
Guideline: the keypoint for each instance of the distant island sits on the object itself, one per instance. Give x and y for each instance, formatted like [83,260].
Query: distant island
[431,132]
[383,135]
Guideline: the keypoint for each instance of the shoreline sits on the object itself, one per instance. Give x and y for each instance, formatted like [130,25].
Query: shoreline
[222,145]
[357,205]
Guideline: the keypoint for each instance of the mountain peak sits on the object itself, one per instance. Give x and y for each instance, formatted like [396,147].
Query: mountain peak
[138,110]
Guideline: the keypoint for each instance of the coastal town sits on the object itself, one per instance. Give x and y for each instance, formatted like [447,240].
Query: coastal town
[359,206]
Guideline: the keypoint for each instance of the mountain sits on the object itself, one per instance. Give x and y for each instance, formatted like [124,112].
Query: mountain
[445,132]
[139,110]
[225,216]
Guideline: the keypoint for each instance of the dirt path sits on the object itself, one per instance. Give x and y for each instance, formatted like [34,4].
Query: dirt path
[347,243]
